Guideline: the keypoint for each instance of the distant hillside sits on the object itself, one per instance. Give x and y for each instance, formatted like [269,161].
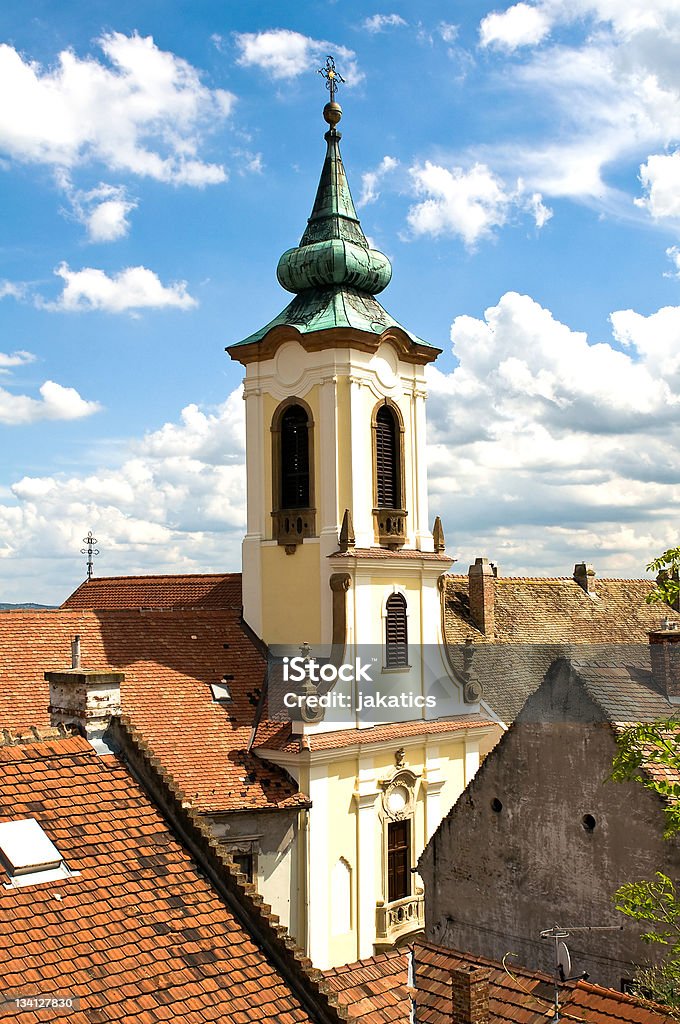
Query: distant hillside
[7,607]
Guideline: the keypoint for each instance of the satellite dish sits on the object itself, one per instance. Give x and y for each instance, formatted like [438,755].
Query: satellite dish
[563,961]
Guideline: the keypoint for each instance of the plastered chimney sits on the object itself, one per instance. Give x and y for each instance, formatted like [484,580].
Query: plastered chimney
[482,587]
[86,698]
[470,995]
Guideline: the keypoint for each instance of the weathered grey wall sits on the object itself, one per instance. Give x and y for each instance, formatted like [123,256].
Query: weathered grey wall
[495,879]
[276,849]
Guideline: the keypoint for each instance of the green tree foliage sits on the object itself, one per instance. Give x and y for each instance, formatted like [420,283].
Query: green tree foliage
[650,754]
[667,590]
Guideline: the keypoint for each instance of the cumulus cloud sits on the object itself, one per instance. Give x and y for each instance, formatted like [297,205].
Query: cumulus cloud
[131,289]
[282,54]
[519,25]
[55,403]
[176,502]
[470,204]
[140,109]
[381,22]
[660,177]
[610,90]
[103,210]
[371,180]
[538,427]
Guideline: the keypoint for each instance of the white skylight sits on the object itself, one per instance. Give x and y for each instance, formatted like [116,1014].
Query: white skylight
[28,854]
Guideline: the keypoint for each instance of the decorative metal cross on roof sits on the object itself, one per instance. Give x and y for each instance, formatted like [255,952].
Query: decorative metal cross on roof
[332,77]
[90,551]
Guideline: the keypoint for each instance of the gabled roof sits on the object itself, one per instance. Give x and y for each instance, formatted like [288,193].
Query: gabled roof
[538,620]
[215,590]
[140,935]
[377,990]
[556,609]
[169,658]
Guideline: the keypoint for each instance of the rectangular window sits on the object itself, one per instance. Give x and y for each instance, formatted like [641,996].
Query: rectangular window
[398,860]
[245,863]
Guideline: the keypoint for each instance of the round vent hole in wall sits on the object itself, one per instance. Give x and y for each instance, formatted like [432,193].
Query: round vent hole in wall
[588,822]
[496,805]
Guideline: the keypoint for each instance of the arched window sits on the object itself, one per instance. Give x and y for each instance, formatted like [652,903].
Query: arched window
[396,632]
[387,459]
[294,458]
[293,512]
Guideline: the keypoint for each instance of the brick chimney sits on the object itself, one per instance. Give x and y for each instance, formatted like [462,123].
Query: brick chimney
[470,995]
[584,574]
[482,576]
[87,698]
[664,650]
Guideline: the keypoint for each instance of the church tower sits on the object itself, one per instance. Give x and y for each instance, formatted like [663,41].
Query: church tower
[338,546]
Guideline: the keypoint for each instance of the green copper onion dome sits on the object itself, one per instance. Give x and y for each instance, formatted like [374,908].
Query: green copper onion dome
[333,250]
[333,273]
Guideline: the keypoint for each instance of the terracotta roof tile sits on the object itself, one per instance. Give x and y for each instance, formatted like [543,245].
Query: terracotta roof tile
[169,659]
[428,556]
[217,590]
[139,973]
[282,737]
[516,996]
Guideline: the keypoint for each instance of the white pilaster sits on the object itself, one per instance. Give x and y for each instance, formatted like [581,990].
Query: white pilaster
[365,796]
[318,930]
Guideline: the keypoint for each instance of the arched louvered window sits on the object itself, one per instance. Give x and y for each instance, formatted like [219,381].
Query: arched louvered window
[396,632]
[387,459]
[294,458]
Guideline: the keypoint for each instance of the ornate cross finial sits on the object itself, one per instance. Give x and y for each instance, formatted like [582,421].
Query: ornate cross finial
[332,77]
[90,551]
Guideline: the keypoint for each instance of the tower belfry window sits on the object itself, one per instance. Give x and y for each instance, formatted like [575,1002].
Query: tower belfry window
[294,458]
[386,459]
[293,478]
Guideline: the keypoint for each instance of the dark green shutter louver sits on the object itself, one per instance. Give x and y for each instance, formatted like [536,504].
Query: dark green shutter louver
[396,635]
[386,459]
[294,458]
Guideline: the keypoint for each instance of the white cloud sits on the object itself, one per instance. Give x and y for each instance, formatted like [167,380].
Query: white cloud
[660,177]
[176,502]
[381,22]
[371,180]
[11,288]
[519,25]
[19,358]
[673,253]
[448,32]
[130,289]
[467,203]
[609,93]
[141,110]
[283,54]
[103,210]
[56,403]
[539,434]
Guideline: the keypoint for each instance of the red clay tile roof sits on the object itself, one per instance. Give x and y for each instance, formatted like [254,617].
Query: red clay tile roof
[169,659]
[281,738]
[377,991]
[218,590]
[139,935]
[429,556]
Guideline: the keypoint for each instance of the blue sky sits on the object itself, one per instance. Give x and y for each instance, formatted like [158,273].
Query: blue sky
[517,164]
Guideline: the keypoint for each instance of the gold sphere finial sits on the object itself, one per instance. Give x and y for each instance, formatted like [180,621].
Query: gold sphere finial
[332,113]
